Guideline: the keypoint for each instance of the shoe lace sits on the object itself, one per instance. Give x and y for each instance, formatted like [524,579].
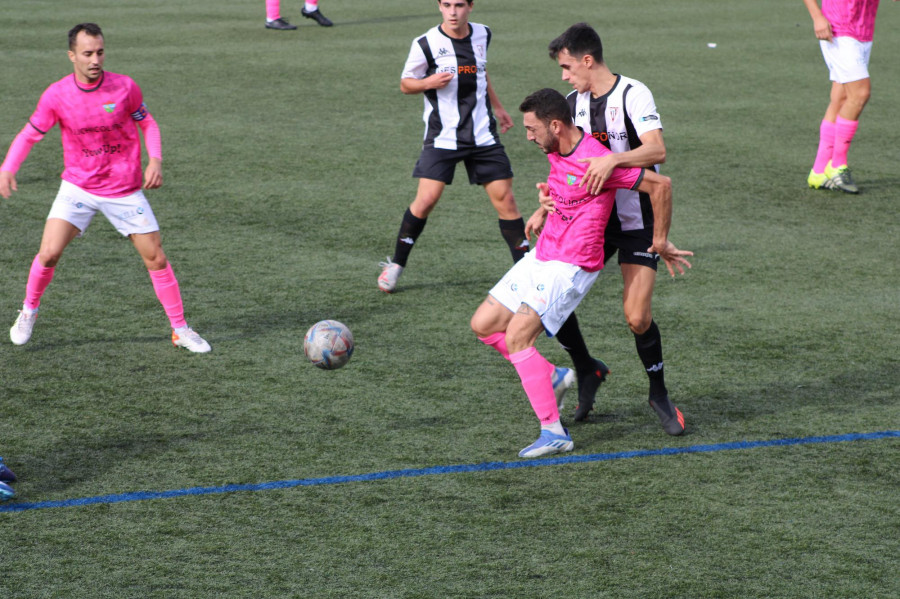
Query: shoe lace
[24,319]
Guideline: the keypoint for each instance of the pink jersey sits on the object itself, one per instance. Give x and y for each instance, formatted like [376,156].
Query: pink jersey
[101,145]
[574,232]
[851,18]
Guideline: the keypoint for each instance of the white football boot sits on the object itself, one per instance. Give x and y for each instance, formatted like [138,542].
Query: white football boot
[187,338]
[390,272]
[21,330]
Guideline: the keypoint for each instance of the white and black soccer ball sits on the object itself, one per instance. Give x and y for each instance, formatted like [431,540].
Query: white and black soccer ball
[328,344]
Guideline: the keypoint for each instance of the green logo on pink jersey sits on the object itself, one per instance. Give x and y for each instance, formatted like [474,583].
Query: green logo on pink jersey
[571,179]
[109,107]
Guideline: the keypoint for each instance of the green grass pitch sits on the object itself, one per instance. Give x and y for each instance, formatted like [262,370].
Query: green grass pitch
[287,162]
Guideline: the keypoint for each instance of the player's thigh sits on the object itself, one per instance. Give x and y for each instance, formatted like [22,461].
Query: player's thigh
[490,317]
[487,164]
[130,215]
[74,206]
[149,246]
[637,296]
[523,329]
[58,233]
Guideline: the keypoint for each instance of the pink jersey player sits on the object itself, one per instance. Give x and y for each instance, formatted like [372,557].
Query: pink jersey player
[845,30]
[851,18]
[99,130]
[540,292]
[99,114]
[573,233]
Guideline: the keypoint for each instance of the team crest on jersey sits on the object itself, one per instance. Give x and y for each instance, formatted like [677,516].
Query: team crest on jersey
[571,179]
[109,107]
[613,111]
[480,48]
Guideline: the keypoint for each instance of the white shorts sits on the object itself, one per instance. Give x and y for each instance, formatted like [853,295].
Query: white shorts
[552,289]
[129,214]
[847,59]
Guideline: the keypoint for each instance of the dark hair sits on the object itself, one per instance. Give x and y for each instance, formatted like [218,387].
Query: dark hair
[578,40]
[547,105]
[92,29]
[469,1]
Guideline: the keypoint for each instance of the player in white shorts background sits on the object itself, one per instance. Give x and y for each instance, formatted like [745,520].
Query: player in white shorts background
[540,291]
[99,114]
[845,29]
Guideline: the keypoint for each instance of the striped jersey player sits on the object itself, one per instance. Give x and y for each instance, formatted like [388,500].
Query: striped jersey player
[621,114]
[462,115]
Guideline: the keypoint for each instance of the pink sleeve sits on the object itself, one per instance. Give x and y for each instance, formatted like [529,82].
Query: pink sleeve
[624,178]
[145,121]
[20,148]
[151,135]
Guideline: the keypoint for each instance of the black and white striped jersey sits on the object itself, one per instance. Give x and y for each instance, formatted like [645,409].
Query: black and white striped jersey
[458,115]
[618,119]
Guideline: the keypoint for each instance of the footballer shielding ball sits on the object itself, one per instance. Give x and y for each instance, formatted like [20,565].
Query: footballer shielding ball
[328,344]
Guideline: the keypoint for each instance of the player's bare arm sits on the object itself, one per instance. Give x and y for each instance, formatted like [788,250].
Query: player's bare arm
[820,24]
[7,184]
[651,152]
[535,223]
[659,189]
[153,174]
[503,119]
[544,198]
[411,85]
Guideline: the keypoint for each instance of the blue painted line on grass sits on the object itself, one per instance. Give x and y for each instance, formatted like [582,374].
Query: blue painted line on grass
[437,470]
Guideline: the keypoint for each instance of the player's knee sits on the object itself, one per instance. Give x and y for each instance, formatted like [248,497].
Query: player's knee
[48,257]
[518,340]
[638,321]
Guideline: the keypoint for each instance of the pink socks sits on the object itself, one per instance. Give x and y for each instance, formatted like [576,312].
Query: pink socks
[166,286]
[536,372]
[38,279]
[826,146]
[844,132]
[273,9]
[498,342]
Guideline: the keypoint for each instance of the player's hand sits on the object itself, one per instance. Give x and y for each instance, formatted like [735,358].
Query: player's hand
[671,255]
[535,223]
[601,167]
[439,80]
[823,29]
[153,174]
[7,184]
[547,204]
[503,118]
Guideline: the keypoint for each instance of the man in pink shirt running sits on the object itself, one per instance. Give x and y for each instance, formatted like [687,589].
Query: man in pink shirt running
[99,114]
[540,292]
[845,29]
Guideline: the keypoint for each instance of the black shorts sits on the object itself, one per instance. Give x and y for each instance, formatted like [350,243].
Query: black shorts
[631,245]
[483,164]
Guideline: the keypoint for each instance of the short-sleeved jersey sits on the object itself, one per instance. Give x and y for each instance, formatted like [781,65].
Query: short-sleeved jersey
[851,18]
[101,145]
[574,232]
[618,119]
[459,115]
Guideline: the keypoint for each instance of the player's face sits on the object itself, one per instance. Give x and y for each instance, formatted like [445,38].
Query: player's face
[540,133]
[456,15]
[574,70]
[88,57]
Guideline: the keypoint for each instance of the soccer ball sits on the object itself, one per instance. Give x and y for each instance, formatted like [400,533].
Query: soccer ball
[328,344]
